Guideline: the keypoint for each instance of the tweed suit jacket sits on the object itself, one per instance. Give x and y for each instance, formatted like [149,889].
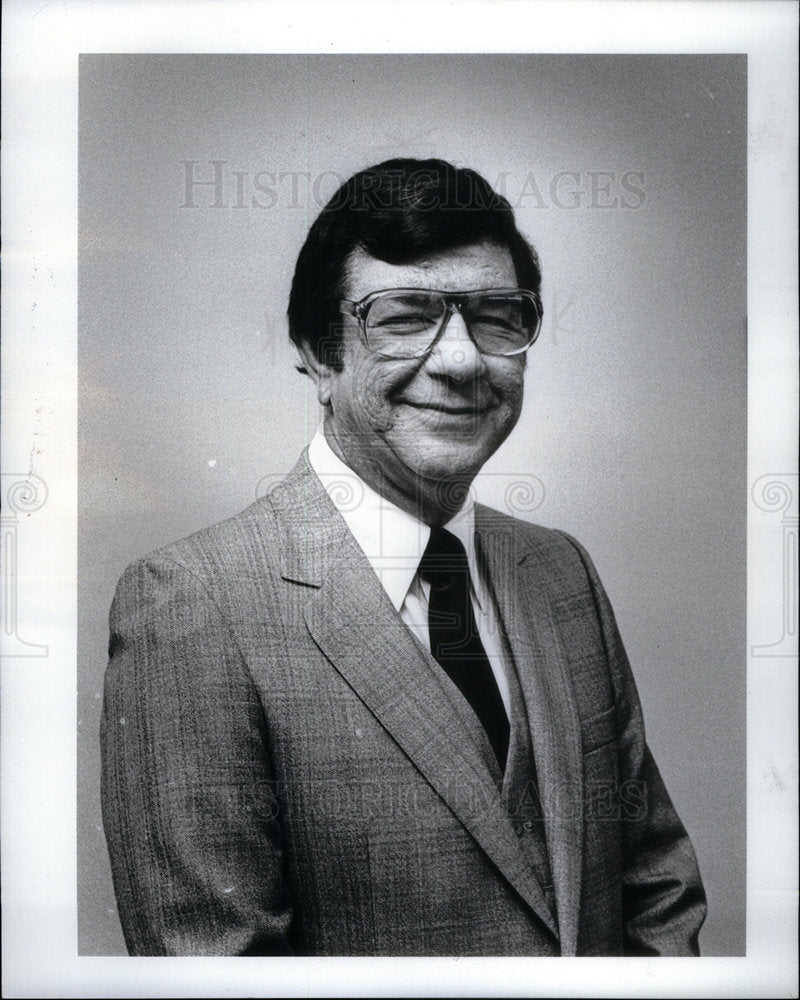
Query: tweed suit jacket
[287,771]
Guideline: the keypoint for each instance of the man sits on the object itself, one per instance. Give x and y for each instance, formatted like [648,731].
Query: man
[368,716]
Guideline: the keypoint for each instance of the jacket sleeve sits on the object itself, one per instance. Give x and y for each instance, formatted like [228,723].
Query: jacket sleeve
[188,797]
[663,900]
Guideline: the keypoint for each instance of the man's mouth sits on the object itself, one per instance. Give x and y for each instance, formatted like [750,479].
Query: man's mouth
[451,408]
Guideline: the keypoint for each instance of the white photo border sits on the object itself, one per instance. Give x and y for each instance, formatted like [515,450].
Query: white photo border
[41,45]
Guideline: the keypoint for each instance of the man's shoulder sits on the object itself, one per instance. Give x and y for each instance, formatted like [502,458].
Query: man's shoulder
[254,542]
[251,534]
[556,556]
[223,548]
[527,534]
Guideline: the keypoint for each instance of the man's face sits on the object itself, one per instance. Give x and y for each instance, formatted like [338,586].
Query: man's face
[440,416]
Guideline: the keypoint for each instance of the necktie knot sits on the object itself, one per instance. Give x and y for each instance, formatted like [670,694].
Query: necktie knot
[444,560]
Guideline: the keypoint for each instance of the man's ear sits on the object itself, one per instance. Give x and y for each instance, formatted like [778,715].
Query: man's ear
[317,370]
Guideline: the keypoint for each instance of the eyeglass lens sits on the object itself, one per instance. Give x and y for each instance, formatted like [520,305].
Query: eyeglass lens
[404,324]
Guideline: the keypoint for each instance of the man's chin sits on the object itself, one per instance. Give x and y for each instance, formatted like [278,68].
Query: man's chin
[443,469]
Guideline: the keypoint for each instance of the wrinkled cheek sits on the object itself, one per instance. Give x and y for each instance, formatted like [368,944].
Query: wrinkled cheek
[510,390]
[512,411]
[375,387]
[380,414]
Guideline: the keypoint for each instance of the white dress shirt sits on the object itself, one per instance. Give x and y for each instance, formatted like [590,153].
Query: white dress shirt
[394,541]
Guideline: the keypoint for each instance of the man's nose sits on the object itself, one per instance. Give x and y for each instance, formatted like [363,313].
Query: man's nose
[455,355]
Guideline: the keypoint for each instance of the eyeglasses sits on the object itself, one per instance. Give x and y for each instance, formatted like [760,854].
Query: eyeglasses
[405,323]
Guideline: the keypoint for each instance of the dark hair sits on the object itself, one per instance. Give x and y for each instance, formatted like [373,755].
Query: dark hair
[396,211]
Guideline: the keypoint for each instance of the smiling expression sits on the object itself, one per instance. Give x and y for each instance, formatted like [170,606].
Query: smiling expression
[407,426]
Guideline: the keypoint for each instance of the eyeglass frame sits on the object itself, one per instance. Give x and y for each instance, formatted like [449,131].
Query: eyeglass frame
[360,309]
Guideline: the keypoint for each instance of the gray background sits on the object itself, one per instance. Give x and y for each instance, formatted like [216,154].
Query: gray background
[633,434]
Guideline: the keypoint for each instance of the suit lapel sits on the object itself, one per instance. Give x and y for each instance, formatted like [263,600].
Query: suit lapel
[547,691]
[356,627]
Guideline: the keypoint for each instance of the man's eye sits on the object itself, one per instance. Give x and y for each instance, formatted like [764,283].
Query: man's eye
[498,322]
[405,321]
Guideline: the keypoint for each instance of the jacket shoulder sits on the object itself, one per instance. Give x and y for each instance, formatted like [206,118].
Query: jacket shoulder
[533,537]
[559,561]
[223,549]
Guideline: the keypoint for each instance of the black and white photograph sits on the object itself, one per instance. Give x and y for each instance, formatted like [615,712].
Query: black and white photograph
[422,439]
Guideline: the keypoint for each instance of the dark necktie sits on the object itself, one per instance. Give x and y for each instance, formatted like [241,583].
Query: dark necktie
[455,642]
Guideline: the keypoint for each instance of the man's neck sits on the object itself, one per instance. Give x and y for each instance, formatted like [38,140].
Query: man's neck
[433,501]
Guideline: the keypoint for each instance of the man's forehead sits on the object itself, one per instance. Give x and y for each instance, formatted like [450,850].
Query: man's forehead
[476,265]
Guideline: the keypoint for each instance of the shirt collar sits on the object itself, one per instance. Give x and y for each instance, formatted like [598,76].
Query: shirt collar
[392,539]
